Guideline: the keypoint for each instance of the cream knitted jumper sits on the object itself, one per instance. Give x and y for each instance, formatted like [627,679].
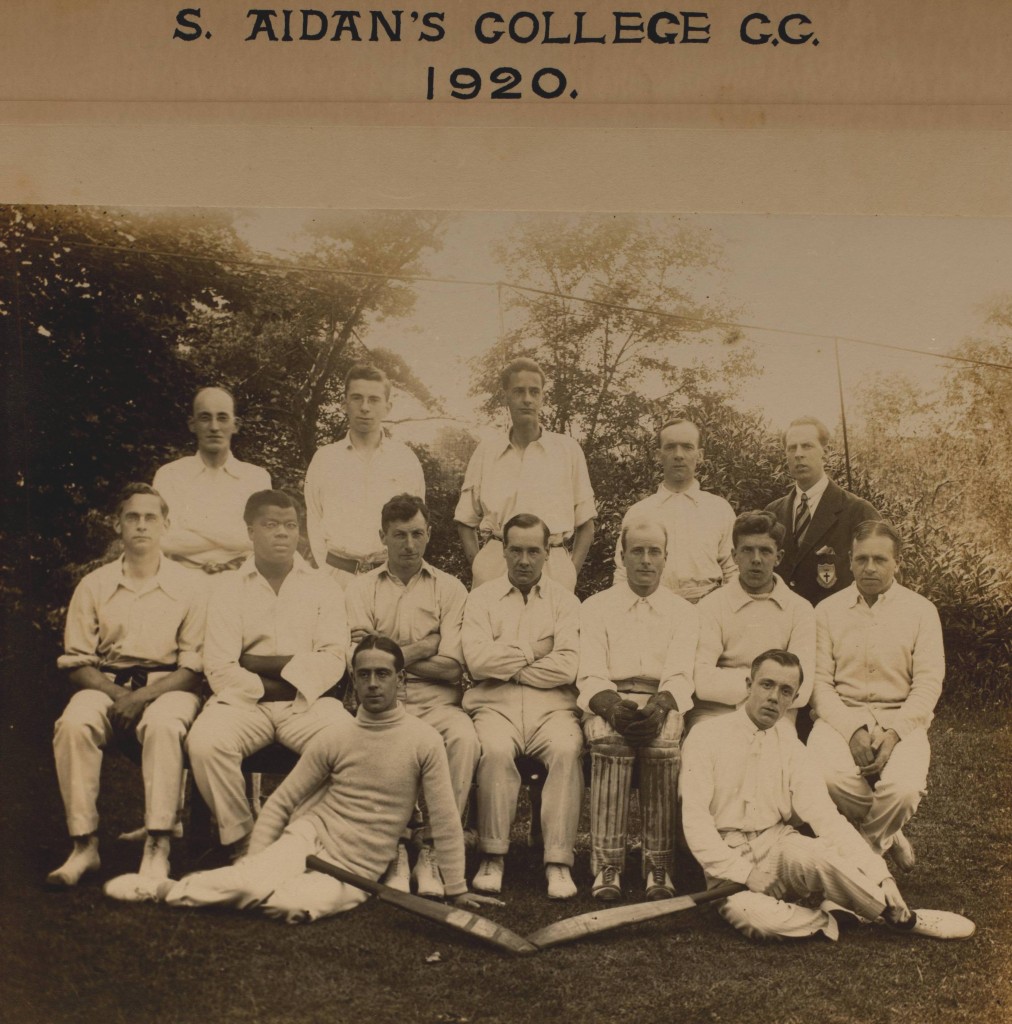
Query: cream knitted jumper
[357,783]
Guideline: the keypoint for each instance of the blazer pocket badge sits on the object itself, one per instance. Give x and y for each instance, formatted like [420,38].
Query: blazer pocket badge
[825,569]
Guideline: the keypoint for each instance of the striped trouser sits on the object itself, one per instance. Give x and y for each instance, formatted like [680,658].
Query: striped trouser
[808,867]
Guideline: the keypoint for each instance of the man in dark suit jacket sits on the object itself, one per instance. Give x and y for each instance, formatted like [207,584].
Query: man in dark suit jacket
[818,515]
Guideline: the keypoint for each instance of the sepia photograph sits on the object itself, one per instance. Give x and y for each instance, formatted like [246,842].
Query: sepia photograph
[473,616]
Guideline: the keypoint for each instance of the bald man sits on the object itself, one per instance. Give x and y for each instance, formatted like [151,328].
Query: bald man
[207,492]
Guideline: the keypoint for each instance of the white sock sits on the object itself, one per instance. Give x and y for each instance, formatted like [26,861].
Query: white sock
[155,862]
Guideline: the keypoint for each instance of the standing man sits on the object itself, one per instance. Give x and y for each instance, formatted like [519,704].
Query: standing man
[206,492]
[276,642]
[346,801]
[132,646]
[349,481]
[818,516]
[422,609]
[531,470]
[746,777]
[521,639]
[637,641]
[755,613]
[698,523]
[879,670]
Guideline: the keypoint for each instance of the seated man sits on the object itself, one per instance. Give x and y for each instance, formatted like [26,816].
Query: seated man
[878,675]
[753,613]
[745,777]
[421,608]
[276,642]
[133,648]
[521,640]
[347,801]
[637,641]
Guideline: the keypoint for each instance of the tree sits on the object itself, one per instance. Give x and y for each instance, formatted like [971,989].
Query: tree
[286,351]
[91,304]
[616,371]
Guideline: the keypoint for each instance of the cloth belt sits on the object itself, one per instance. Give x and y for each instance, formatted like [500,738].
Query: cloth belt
[352,565]
[637,684]
[556,540]
[137,675]
[210,567]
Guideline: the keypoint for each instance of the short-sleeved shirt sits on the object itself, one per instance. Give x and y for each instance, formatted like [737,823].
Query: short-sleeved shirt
[548,479]
[206,507]
[346,489]
[115,622]
[699,528]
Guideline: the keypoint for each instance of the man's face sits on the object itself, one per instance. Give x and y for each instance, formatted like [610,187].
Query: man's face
[524,396]
[771,692]
[805,455]
[873,563]
[679,453]
[376,680]
[140,523]
[275,534]
[366,405]
[643,556]
[405,543]
[525,554]
[756,556]
[213,421]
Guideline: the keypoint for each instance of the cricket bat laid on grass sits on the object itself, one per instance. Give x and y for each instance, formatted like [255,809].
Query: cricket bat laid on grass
[453,917]
[573,928]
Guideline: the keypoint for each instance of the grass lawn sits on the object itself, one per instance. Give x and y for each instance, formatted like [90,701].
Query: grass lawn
[77,956]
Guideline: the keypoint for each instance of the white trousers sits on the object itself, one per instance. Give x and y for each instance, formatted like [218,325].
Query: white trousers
[808,867]
[224,734]
[459,738]
[84,729]
[274,881]
[554,738]
[489,564]
[877,813]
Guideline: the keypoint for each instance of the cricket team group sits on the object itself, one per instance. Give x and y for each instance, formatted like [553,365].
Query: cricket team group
[686,676]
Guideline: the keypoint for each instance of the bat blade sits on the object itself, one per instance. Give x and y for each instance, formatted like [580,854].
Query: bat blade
[454,917]
[573,928]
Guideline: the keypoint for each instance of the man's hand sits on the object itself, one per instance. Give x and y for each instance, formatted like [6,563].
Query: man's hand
[475,901]
[126,711]
[358,635]
[542,648]
[763,880]
[897,911]
[861,749]
[618,713]
[883,742]
[650,719]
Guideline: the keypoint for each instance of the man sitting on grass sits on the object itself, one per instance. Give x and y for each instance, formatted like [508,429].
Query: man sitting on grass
[347,801]
[745,776]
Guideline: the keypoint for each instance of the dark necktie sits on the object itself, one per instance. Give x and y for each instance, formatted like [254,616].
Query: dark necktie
[802,519]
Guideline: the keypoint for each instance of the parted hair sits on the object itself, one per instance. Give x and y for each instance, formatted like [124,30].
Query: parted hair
[366,371]
[677,421]
[755,523]
[522,365]
[139,488]
[636,524]
[261,499]
[877,528]
[785,658]
[402,507]
[212,387]
[380,642]
[811,421]
[524,521]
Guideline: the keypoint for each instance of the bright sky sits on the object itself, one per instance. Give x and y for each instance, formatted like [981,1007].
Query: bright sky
[919,282]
